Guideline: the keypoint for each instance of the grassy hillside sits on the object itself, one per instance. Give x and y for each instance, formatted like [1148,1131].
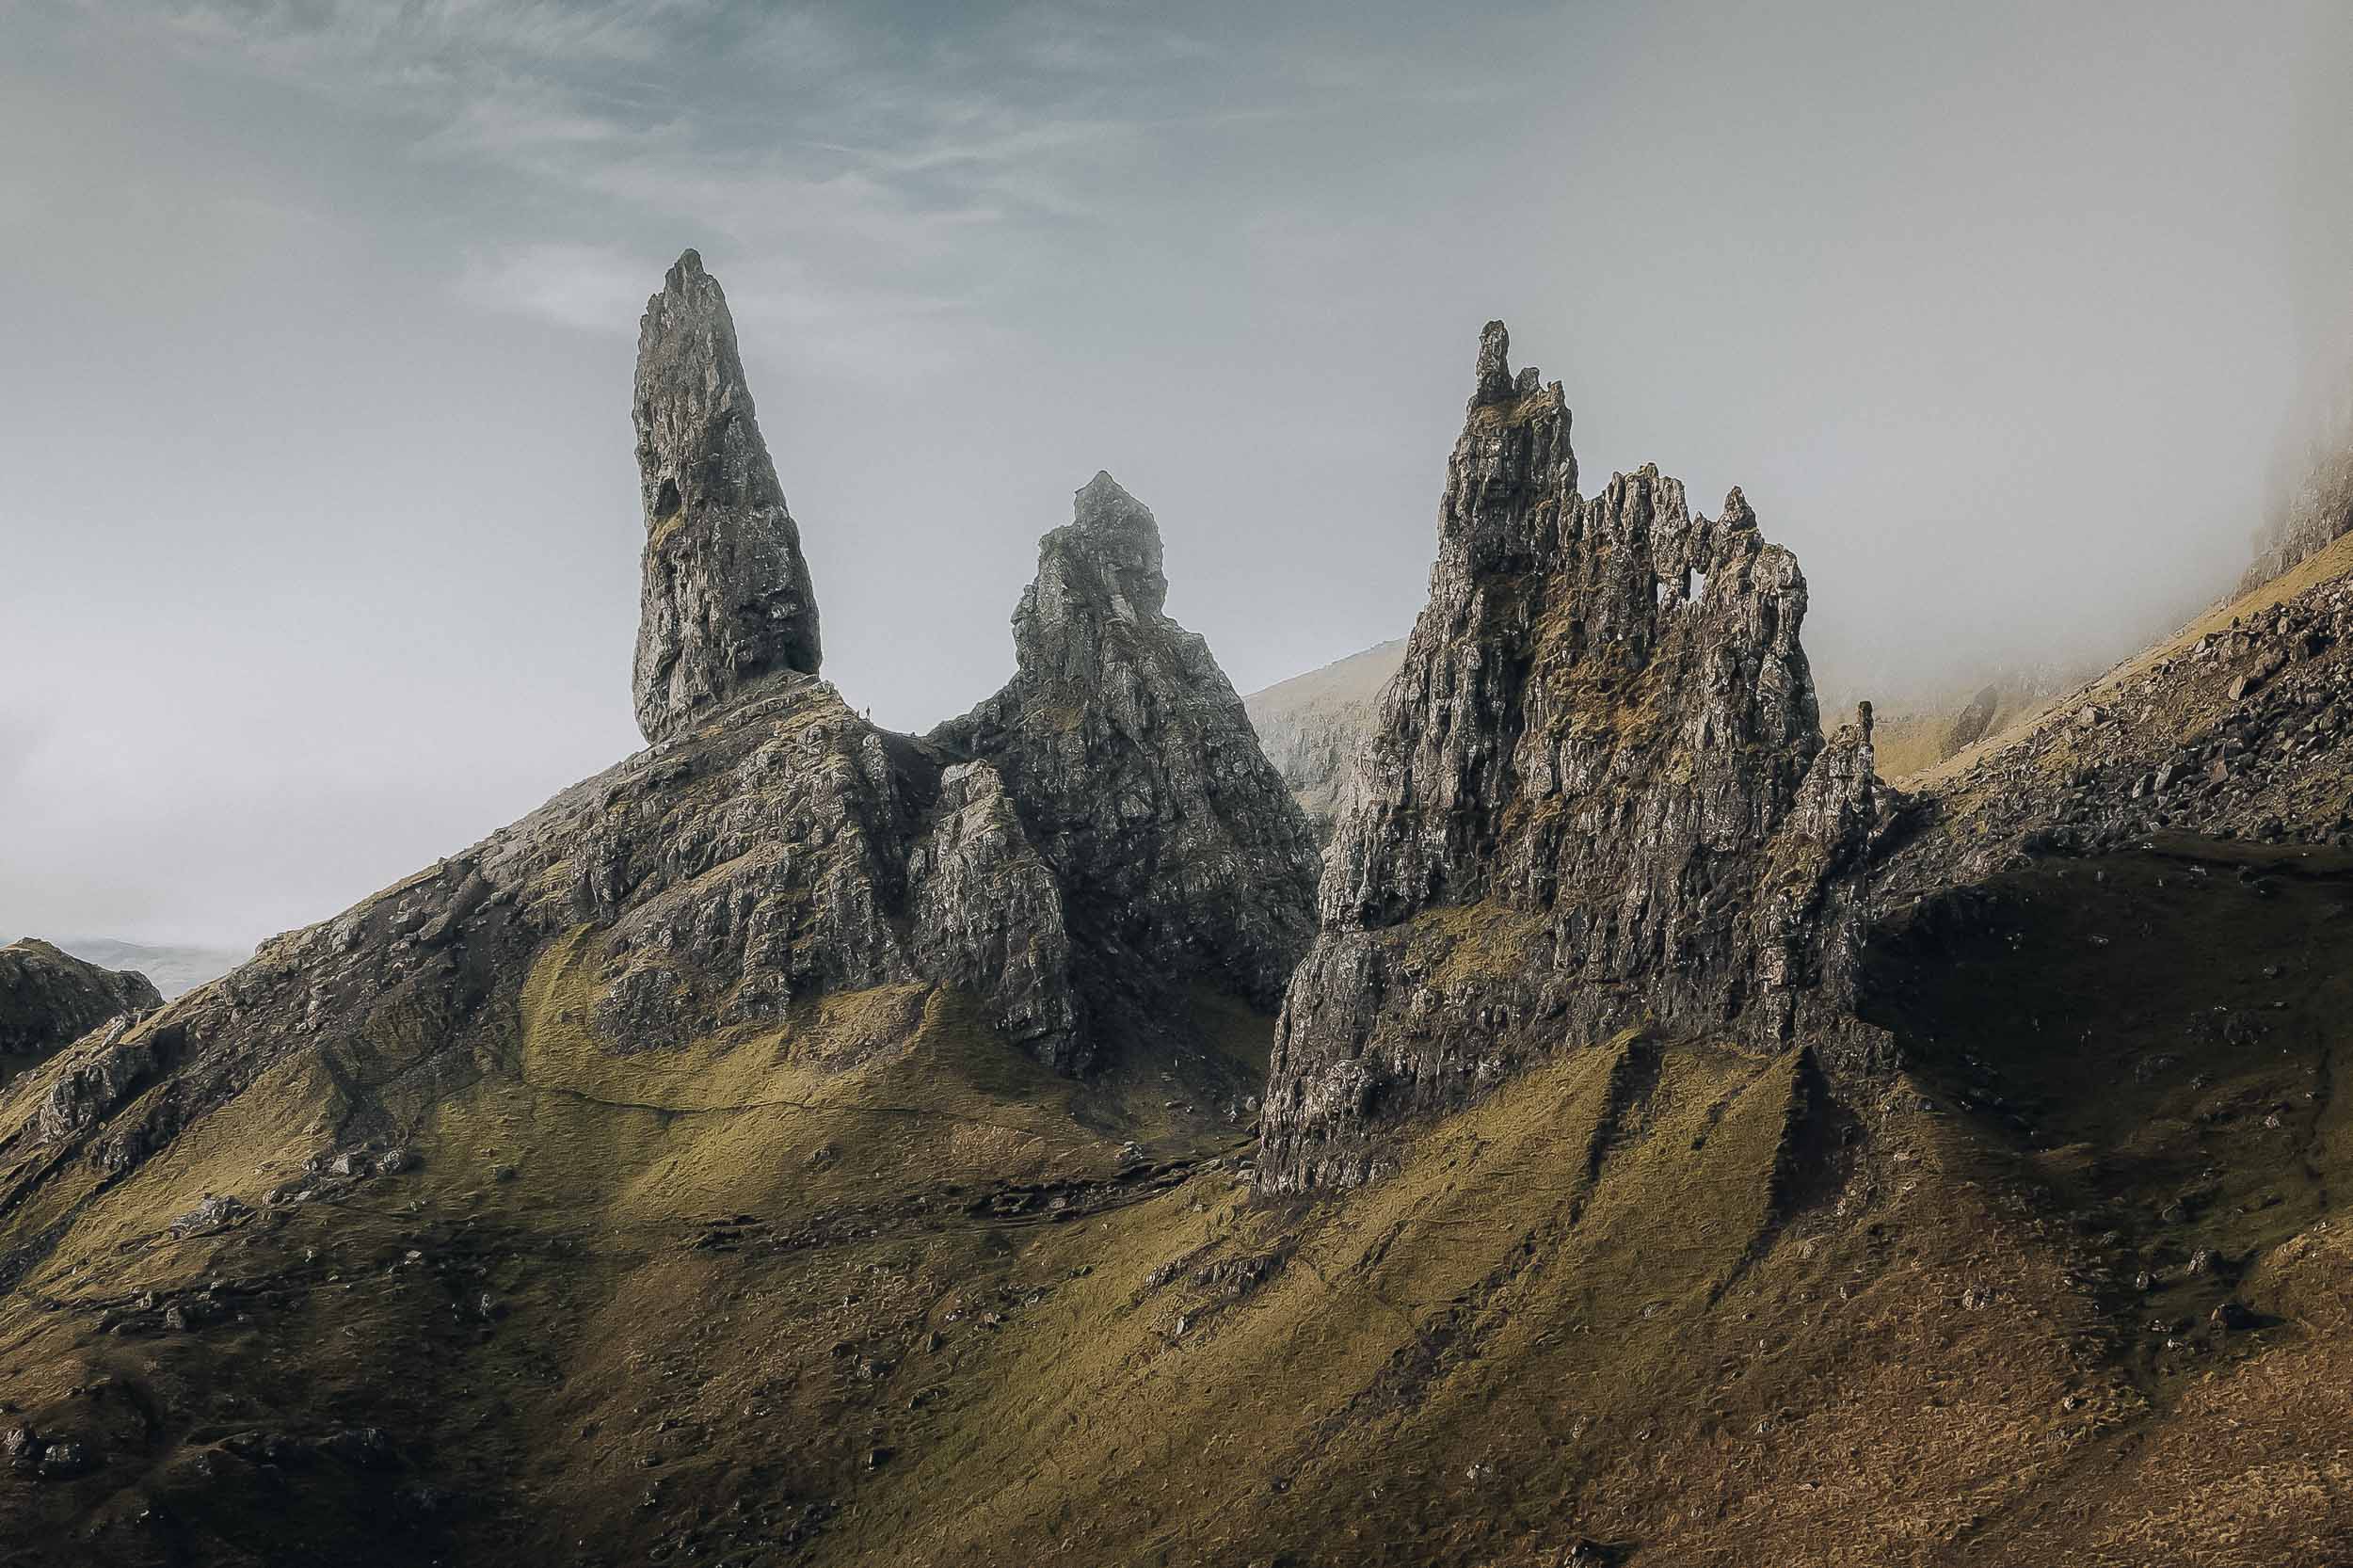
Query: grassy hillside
[1656,1302]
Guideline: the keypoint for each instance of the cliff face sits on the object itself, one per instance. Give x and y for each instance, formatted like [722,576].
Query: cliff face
[1598,797]
[49,998]
[727,598]
[1132,766]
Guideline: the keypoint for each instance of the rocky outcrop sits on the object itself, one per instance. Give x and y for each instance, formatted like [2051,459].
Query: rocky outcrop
[1312,725]
[727,599]
[1075,861]
[1598,797]
[1134,769]
[49,998]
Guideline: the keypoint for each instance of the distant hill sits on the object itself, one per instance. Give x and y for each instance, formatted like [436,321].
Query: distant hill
[174,971]
[1311,725]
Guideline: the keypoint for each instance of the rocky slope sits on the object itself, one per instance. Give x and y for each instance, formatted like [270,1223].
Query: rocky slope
[1599,794]
[2236,729]
[1918,729]
[774,909]
[1312,725]
[49,998]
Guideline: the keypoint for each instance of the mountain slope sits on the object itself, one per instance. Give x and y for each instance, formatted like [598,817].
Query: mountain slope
[698,1171]
[1313,725]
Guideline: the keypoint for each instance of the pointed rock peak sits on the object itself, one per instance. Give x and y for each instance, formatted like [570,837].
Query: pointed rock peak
[1495,364]
[1103,504]
[1113,535]
[1563,761]
[726,600]
[1738,513]
[1183,861]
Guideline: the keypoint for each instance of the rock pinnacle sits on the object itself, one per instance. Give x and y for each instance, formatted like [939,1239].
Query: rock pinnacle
[727,599]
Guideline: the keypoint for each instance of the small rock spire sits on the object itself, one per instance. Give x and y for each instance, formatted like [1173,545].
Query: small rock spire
[1495,364]
[726,598]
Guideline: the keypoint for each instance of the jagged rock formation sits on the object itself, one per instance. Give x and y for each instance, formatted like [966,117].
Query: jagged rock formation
[1312,725]
[49,998]
[1599,797]
[1102,835]
[1972,723]
[1134,769]
[727,598]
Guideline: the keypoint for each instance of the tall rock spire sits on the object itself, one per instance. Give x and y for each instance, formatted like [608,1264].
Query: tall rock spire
[727,598]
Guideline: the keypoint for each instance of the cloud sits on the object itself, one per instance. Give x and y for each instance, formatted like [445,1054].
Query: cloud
[597,288]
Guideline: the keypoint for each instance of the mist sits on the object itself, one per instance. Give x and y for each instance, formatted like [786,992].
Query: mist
[321,515]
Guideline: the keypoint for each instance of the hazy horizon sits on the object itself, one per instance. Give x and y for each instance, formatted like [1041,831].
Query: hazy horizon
[322,513]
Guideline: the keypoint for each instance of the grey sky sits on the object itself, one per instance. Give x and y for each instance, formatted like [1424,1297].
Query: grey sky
[319,511]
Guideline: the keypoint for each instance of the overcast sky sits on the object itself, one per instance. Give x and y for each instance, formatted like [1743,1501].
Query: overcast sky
[317,487]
